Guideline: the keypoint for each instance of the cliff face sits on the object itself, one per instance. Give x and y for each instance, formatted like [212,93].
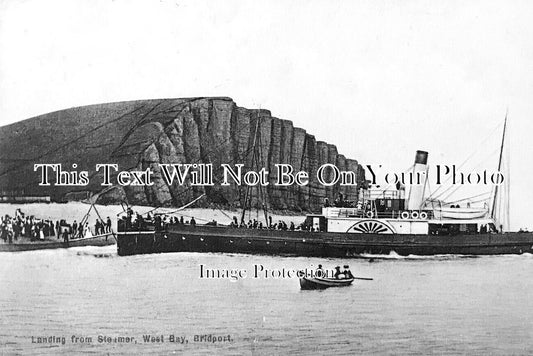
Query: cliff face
[141,134]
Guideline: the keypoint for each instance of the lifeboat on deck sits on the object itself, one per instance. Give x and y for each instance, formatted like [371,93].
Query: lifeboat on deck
[459,213]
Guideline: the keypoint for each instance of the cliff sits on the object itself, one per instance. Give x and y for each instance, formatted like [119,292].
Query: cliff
[141,134]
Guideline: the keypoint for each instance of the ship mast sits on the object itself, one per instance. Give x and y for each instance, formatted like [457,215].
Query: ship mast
[256,162]
[494,198]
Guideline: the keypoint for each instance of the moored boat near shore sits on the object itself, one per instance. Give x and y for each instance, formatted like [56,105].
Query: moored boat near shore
[24,232]
[98,240]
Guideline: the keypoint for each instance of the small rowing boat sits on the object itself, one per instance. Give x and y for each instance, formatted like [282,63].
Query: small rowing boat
[98,240]
[323,283]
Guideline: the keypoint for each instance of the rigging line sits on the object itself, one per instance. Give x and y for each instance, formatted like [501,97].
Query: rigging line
[256,155]
[200,159]
[230,137]
[92,175]
[478,201]
[134,127]
[224,213]
[468,198]
[153,141]
[139,161]
[460,186]
[506,186]
[500,160]
[508,189]
[451,193]
[424,190]
[189,188]
[181,207]
[448,188]
[263,194]
[72,141]
[452,186]
[247,193]
[184,105]
[429,190]
[471,155]
[391,184]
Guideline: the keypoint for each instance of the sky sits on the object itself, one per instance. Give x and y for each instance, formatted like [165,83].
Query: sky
[380,79]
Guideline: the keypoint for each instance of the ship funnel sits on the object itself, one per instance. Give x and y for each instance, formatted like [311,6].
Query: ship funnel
[416,193]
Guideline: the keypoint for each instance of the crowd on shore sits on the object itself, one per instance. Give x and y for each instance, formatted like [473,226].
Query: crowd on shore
[23,226]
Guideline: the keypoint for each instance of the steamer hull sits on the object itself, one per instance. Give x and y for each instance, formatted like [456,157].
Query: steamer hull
[379,222]
[316,244]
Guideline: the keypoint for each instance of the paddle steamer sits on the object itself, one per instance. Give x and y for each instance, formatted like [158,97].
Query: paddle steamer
[381,222]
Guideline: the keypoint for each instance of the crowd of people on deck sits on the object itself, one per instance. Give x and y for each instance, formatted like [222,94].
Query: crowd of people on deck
[32,228]
[255,224]
[339,202]
[135,221]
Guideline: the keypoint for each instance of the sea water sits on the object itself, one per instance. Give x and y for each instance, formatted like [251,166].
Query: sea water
[90,301]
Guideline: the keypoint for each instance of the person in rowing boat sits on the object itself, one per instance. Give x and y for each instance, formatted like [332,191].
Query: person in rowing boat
[347,273]
[65,236]
[338,272]
[319,272]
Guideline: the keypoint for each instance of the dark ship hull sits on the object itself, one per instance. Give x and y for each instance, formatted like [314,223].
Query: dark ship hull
[186,238]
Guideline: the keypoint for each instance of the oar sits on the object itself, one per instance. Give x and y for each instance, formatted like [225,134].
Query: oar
[364,278]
